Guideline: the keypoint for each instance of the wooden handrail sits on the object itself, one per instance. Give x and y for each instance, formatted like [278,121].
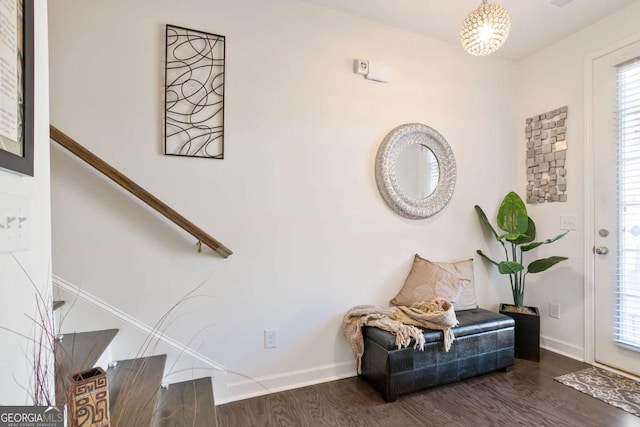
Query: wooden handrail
[142,194]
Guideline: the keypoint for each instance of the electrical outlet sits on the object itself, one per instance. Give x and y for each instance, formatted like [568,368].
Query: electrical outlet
[270,338]
[554,310]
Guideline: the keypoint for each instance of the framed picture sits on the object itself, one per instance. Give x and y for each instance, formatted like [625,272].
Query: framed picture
[16,86]
[194,93]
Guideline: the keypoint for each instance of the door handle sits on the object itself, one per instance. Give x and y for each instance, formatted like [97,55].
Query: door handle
[601,250]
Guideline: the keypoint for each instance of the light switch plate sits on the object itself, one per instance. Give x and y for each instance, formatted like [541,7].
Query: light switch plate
[567,222]
[14,223]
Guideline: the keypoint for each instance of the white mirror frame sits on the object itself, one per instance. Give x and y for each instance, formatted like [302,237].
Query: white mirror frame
[386,178]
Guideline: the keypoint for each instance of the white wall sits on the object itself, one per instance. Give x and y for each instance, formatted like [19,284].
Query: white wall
[549,79]
[18,293]
[295,197]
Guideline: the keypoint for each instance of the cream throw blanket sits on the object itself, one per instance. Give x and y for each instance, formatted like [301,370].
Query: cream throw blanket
[400,321]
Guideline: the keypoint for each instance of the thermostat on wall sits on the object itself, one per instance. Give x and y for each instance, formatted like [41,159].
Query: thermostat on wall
[373,70]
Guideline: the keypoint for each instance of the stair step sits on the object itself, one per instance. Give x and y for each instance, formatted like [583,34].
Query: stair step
[189,403]
[78,352]
[134,387]
[57,305]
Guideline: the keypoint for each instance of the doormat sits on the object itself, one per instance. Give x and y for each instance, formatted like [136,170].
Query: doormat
[607,386]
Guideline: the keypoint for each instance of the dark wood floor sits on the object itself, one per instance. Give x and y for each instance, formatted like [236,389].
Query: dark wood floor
[528,396]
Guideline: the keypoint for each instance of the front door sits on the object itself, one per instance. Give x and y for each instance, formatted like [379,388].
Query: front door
[616,196]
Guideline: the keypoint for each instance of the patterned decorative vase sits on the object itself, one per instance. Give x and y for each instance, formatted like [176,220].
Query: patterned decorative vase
[89,406]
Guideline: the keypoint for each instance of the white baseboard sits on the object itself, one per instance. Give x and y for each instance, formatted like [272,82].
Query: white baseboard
[247,388]
[563,348]
[250,387]
[142,327]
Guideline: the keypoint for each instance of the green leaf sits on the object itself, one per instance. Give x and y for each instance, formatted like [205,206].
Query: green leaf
[484,220]
[479,252]
[512,215]
[529,235]
[512,237]
[510,267]
[543,264]
[546,242]
[531,246]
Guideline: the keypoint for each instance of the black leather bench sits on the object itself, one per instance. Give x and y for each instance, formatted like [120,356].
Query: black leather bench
[484,343]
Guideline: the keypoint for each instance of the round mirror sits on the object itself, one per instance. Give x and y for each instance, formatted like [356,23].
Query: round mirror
[415,171]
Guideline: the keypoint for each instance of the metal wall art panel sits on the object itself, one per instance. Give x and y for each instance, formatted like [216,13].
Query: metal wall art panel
[194,93]
[546,135]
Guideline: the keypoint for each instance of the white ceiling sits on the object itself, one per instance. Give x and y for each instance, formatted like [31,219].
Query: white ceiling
[535,24]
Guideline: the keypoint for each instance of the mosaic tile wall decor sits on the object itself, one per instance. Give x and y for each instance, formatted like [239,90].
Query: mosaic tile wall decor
[546,157]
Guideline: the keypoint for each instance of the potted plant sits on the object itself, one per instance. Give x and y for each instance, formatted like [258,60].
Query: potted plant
[518,238]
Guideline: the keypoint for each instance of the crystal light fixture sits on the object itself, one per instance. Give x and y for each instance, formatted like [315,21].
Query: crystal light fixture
[485,29]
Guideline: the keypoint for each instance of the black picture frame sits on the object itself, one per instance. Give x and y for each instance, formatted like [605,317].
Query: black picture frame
[194,93]
[24,164]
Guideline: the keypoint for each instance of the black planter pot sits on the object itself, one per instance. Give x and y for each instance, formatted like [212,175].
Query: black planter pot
[527,333]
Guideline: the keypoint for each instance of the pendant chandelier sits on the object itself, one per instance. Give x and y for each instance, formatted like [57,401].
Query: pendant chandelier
[485,29]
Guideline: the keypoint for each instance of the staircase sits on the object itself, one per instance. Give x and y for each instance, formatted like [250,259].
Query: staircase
[137,397]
